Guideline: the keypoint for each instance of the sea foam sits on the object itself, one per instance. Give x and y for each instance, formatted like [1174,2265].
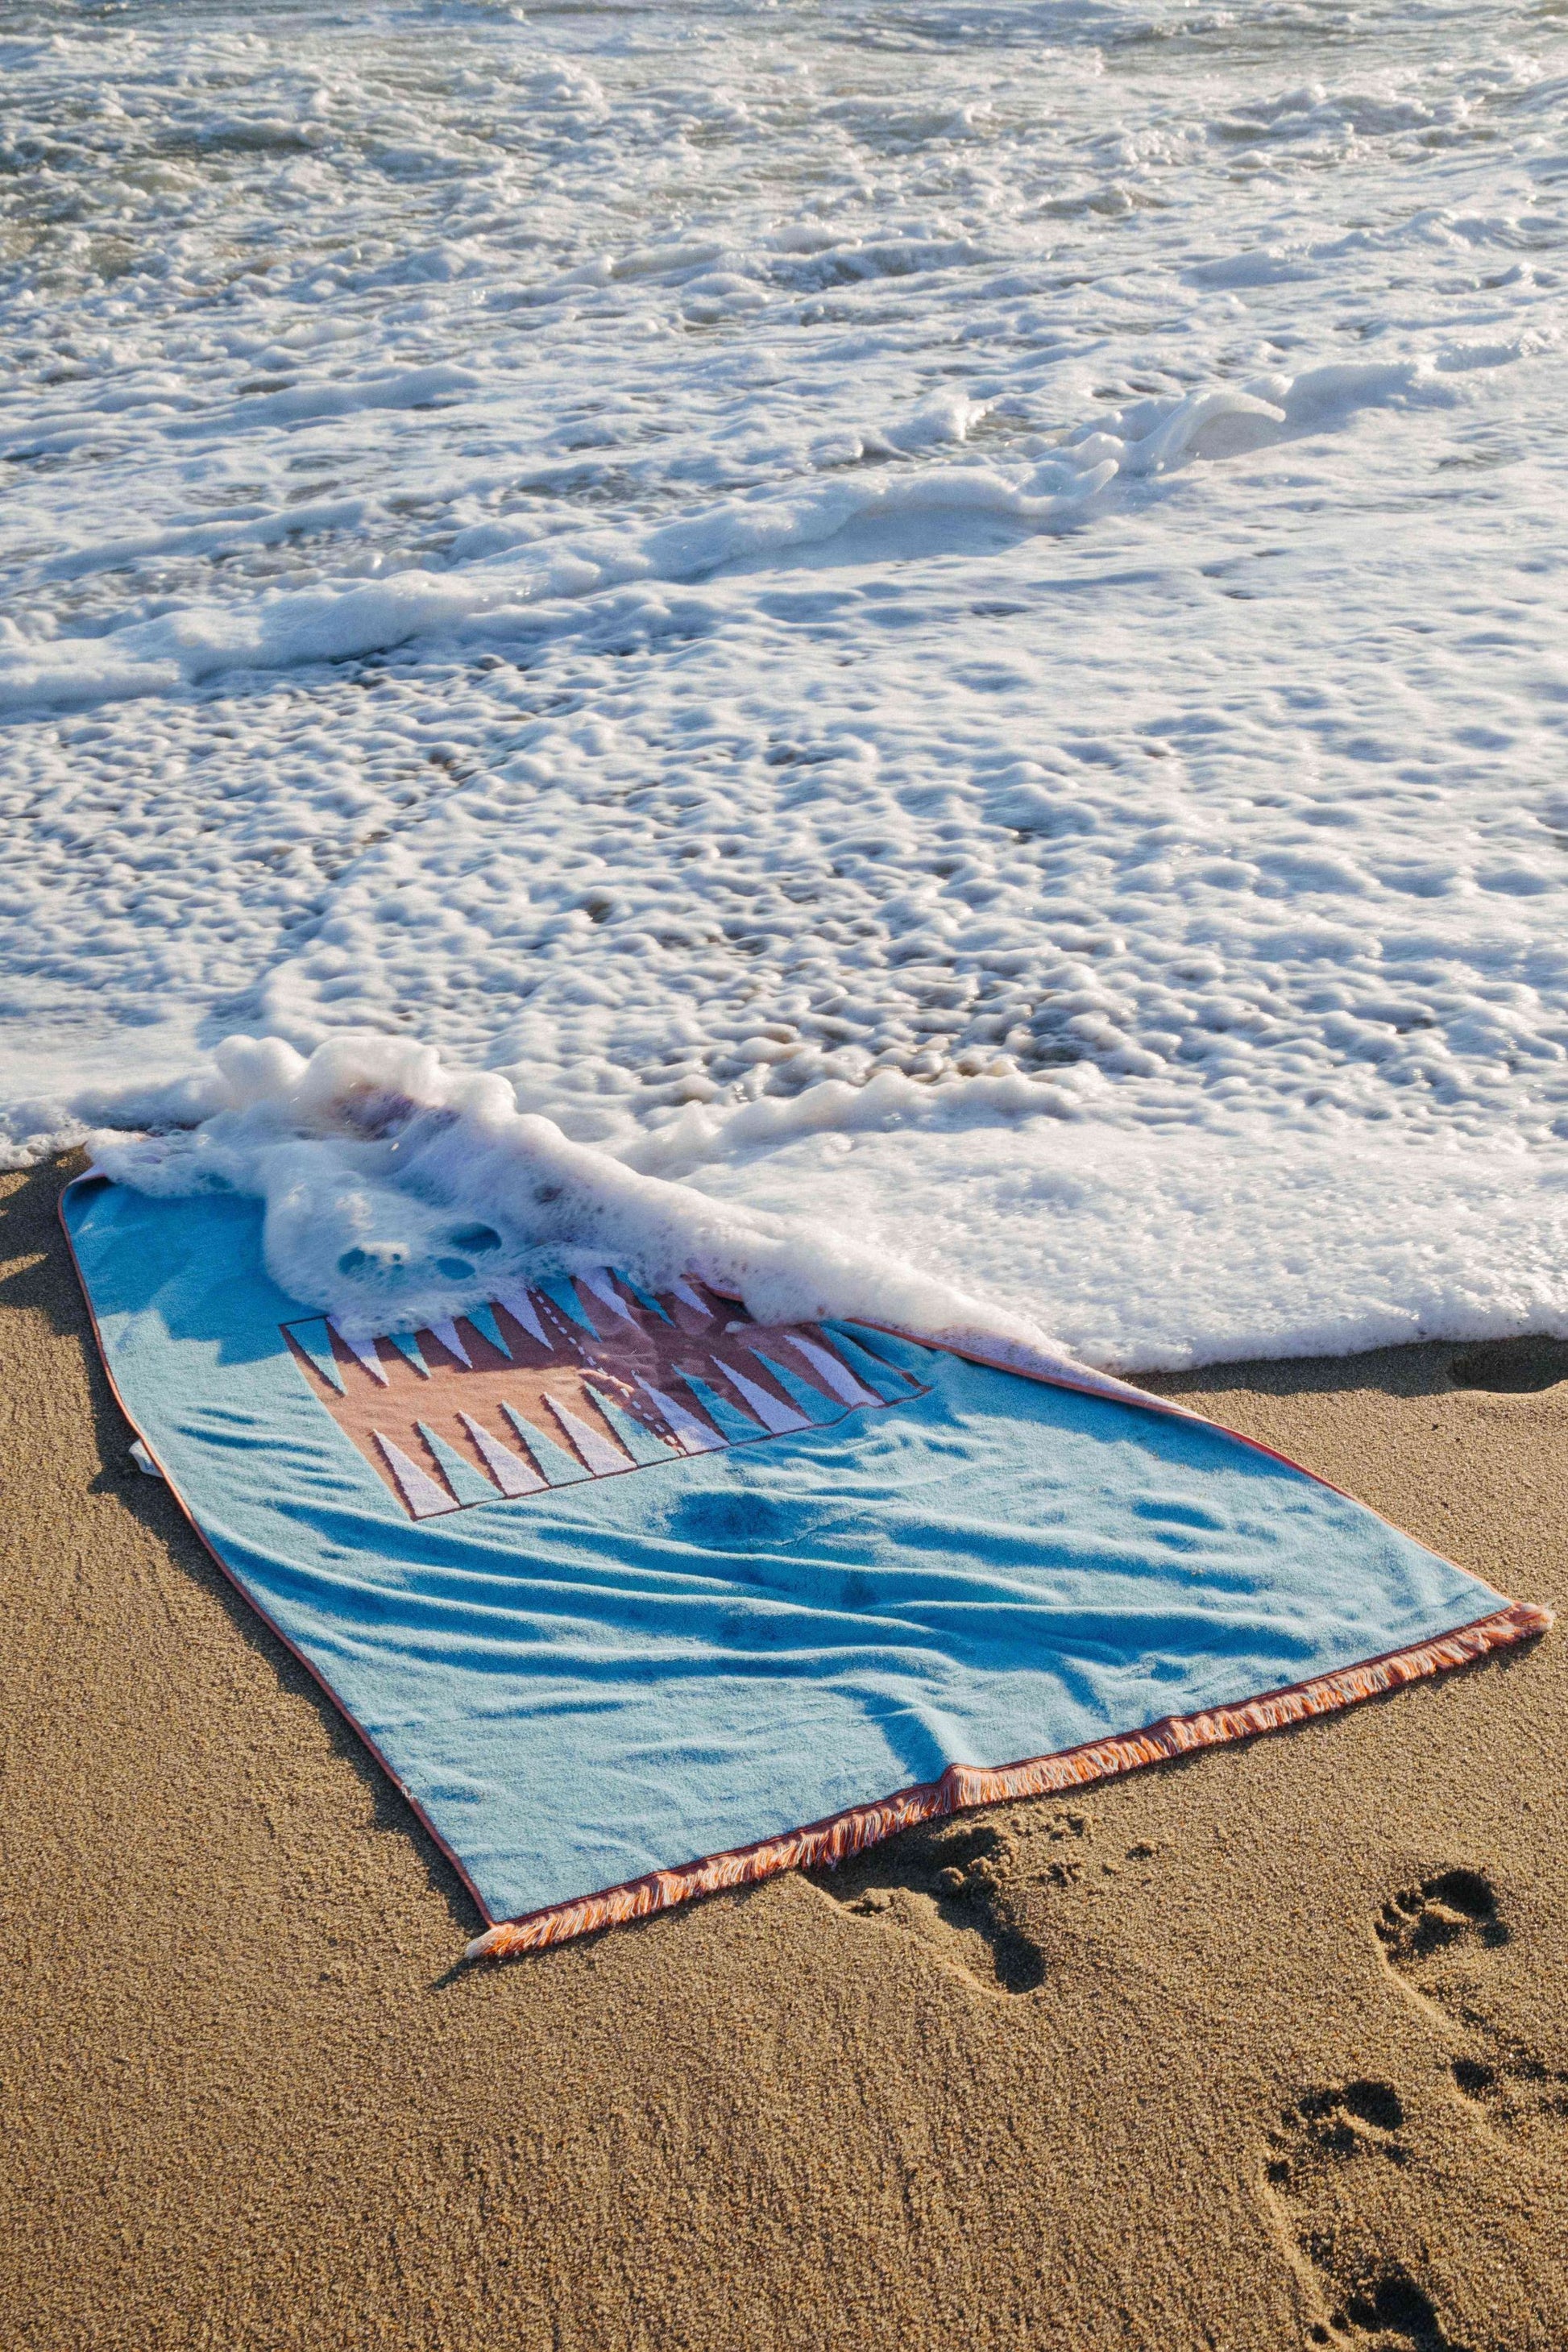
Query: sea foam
[920,649]
[397,1193]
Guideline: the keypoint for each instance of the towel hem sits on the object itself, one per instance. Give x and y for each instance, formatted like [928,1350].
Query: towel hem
[833,1840]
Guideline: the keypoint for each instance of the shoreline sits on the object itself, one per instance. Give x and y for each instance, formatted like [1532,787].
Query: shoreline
[1214,2054]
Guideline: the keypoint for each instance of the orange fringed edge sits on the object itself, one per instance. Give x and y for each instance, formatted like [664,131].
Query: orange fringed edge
[964,1785]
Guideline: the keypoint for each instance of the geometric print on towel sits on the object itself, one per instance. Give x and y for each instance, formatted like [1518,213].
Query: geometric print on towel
[579,1378]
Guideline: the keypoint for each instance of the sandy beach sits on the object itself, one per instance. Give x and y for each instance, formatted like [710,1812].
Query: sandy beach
[1262,2049]
[906,663]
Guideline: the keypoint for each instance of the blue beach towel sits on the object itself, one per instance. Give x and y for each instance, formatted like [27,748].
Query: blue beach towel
[634,1598]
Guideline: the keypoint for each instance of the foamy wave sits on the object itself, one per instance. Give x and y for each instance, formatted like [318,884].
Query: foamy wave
[344,622]
[397,1192]
[899,623]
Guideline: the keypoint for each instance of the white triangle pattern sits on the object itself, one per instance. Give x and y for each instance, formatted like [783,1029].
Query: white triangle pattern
[424,1499]
[364,1349]
[601,1458]
[447,1332]
[511,1474]
[598,1281]
[780,1418]
[693,1437]
[839,1378]
[520,1307]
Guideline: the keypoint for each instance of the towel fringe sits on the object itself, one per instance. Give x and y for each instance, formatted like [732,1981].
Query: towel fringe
[965,1785]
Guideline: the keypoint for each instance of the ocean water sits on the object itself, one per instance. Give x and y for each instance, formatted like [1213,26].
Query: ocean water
[917,644]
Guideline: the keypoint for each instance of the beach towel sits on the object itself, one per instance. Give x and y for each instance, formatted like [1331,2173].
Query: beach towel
[635,1597]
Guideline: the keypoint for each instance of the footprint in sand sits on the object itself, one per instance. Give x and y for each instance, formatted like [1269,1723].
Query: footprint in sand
[1331,2179]
[1446,1942]
[951,1884]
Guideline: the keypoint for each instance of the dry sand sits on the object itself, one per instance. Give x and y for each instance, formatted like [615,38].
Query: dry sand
[1146,2074]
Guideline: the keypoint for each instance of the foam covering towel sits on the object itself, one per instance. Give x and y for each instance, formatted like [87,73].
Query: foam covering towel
[634,1597]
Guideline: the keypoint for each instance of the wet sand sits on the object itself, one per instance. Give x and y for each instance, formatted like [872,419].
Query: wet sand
[1263,2049]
